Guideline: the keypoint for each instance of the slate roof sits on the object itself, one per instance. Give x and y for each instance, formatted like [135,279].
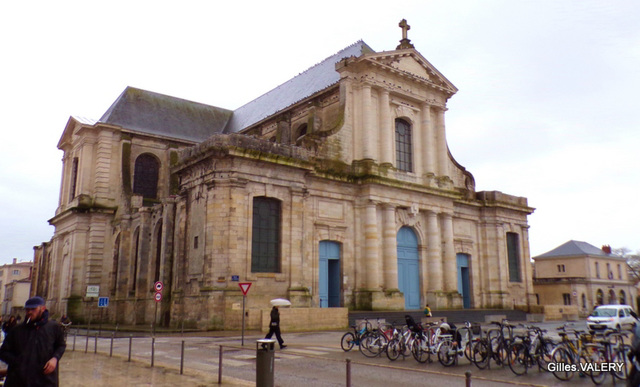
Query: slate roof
[311,81]
[576,248]
[164,115]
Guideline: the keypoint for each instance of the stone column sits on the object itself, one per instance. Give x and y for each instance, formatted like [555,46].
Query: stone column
[443,157]
[434,255]
[387,130]
[450,266]
[390,248]
[416,143]
[429,147]
[371,260]
[367,130]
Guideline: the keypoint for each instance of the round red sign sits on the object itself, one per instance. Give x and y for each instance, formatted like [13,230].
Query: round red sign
[158,297]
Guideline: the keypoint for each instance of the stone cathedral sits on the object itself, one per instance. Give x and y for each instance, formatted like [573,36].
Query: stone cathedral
[335,189]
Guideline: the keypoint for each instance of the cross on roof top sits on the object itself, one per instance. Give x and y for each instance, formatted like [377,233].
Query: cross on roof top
[405,42]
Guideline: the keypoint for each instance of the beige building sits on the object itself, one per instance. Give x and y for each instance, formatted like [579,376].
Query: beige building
[336,189]
[10,274]
[582,275]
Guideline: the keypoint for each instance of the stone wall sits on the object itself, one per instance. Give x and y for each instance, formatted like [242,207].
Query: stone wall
[308,319]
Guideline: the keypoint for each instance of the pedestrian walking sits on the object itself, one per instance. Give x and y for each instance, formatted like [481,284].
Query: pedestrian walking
[427,311]
[33,349]
[274,327]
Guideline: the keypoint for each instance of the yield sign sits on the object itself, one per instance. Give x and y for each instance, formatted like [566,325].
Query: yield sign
[244,286]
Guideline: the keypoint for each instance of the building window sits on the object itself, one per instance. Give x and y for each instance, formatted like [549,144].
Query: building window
[609,272]
[597,270]
[513,254]
[265,240]
[16,272]
[195,242]
[560,268]
[584,301]
[403,146]
[300,133]
[74,179]
[566,297]
[599,297]
[619,271]
[145,176]
[623,298]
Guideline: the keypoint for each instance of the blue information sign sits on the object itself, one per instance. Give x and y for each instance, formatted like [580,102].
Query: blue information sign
[235,278]
[103,302]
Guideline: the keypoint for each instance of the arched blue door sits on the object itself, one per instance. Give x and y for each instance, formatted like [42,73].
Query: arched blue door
[463,279]
[329,274]
[408,268]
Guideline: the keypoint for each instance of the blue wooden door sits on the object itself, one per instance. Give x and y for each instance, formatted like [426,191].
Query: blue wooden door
[463,279]
[408,268]
[329,274]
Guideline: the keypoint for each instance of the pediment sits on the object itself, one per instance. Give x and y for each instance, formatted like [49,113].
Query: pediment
[73,123]
[411,63]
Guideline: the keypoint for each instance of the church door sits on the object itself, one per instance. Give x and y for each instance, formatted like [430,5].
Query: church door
[329,273]
[463,279]
[408,270]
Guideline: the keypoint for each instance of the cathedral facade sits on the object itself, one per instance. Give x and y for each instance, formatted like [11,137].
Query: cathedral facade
[336,189]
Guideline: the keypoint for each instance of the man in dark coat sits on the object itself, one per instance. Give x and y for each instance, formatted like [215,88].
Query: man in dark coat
[274,327]
[32,349]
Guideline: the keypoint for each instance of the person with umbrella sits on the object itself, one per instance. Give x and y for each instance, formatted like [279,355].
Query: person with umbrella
[274,326]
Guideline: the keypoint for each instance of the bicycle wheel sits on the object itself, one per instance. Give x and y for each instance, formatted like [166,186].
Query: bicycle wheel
[446,353]
[518,358]
[564,370]
[368,344]
[347,341]
[394,349]
[596,359]
[543,354]
[620,355]
[420,350]
[499,351]
[480,353]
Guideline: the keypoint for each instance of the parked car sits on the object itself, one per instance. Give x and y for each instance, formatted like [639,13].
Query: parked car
[611,316]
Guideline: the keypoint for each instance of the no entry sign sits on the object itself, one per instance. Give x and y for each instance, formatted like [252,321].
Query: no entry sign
[244,286]
[158,286]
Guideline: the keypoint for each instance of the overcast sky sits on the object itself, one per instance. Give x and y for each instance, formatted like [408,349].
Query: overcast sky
[546,107]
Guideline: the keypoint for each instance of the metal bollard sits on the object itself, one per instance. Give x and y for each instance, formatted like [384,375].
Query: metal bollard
[113,334]
[468,378]
[74,340]
[86,345]
[182,358]
[348,372]
[153,348]
[220,366]
[130,342]
[95,344]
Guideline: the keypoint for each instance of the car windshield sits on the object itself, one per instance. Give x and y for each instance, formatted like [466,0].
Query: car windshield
[604,312]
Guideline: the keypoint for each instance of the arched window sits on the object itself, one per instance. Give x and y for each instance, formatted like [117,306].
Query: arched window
[599,297]
[145,176]
[301,131]
[513,255]
[612,297]
[265,239]
[623,298]
[403,146]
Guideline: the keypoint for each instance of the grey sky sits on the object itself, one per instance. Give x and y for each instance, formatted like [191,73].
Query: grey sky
[545,108]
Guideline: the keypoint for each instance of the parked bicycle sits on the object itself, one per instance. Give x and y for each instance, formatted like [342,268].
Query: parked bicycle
[350,339]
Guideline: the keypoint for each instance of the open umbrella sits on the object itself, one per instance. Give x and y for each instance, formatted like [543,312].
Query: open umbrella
[280,302]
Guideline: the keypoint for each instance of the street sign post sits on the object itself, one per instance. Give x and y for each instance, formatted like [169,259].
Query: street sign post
[244,287]
[158,286]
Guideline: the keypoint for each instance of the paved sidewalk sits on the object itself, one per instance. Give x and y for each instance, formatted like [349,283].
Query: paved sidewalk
[78,369]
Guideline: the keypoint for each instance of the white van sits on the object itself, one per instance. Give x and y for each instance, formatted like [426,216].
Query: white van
[611,316]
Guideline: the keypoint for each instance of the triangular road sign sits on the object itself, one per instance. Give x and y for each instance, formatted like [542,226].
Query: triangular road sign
[244,286]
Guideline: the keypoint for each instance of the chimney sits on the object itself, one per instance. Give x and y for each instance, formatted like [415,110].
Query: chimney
[606,249]
[15,260]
